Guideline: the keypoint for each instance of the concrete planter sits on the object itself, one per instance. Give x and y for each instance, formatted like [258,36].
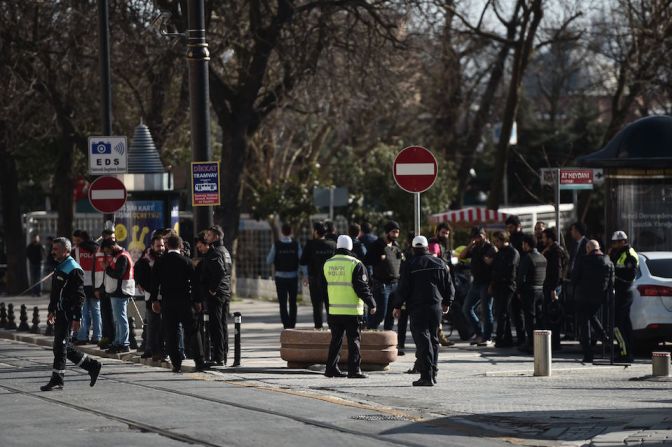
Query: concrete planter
[301,348]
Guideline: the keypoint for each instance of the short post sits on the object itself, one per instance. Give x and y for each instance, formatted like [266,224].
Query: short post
[237,319]
[661,364]
[35,328]
[23,318]
[3,316]
[542,353]
[11,318]
[132,342]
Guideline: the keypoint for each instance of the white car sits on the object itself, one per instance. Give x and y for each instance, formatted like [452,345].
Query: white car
[651,311]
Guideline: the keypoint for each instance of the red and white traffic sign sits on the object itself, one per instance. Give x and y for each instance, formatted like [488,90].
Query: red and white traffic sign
[415,169]
[107,194]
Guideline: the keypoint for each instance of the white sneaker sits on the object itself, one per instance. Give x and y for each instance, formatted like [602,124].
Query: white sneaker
[486,343]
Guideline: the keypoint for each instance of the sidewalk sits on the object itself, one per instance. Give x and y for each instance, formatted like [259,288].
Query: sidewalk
[488,391]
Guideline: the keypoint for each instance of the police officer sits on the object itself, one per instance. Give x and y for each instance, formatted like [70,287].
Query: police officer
[65,312]
[347,287]
[531,277]
[427,290]
[626,262]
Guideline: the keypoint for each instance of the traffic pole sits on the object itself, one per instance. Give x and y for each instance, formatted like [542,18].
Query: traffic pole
[416,207]
[106,83]
[557,205]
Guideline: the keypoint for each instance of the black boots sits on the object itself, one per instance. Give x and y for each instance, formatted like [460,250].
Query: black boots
[93,368]
[55,383]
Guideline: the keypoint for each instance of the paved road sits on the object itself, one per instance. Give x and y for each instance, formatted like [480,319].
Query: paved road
[484,397]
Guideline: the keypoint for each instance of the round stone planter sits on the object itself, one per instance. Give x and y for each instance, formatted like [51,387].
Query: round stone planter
[301,348]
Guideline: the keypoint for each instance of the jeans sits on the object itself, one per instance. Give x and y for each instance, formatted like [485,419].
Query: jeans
[287,289]
[381,294]
[90,318]
[119,306]
[35,276]
[478,294]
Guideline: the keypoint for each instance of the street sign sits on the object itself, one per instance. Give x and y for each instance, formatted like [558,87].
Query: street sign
[108,155]
[107,194]
[570,178]
[415,169]
[205,183]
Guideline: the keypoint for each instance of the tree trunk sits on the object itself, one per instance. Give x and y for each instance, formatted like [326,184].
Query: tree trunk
[63,187]
[16,275]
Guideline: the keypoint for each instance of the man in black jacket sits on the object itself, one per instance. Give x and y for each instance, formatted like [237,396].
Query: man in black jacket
[284,256]
[517,315]
[503,286]
[172,296]
[143,279]
[427,290]
[212,274]
[358,248]
[214,236]
[314,255]
[531,277]
[553,253]
[385,256]
[65,312]
[594,279]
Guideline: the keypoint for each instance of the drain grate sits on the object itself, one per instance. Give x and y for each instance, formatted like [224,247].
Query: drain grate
[379,417]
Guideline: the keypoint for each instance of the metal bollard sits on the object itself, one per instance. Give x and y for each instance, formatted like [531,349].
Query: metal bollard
[542,353]
[661,364]
[11,318]
[237,319]
[35,328]
[23,318]
[132,342]
[3,316]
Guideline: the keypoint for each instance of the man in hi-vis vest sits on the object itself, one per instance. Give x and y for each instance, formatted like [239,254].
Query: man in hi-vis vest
[348,290]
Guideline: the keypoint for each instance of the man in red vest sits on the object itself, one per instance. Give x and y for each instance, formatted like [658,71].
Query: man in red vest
[120,285]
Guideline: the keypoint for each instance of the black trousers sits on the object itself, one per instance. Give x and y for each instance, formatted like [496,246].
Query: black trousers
[319,298]
[548,321]
[107,319]
[531,301]
[402,324]
[344,325]
[518,317]
[425,329]
[172,316]
[287,289]
[154,343]
[586,313]
[623,301]
[502,299]
[216,327]
[63,348]
[225,327]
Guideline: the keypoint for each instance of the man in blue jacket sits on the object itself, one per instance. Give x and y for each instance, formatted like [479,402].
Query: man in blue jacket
[65,312]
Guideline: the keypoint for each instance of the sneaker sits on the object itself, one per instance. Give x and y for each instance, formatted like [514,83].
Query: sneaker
[476,340]
[486,343]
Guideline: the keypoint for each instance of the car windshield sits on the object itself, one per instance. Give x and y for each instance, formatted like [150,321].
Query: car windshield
[661,268]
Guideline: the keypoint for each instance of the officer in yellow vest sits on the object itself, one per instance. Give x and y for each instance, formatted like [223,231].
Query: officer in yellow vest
[348,289]
[626,262]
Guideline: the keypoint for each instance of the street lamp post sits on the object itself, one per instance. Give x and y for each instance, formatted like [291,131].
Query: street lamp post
[198,57]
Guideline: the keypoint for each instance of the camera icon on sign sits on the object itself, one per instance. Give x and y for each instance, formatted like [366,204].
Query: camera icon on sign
[101,148]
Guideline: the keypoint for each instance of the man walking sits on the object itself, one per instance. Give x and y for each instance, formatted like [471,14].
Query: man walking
[626,262]
[284,255]
[65,310]
[531,277]
[503,287]
[143,280]
[347,287]
[214,236]
[35,256]
[120,285]
[172,296]
[385,256]
[315,254]
[84,254]
[427,291]
[212,276]
[594,279]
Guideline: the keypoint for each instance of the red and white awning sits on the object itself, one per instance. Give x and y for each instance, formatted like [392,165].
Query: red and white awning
[469,215]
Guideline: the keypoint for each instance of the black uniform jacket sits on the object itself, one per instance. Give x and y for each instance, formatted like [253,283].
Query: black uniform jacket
[504,268]
[385,259]
[315,254]
[594,277]
[213,277]
[173,277]
[425,282]
[67,289]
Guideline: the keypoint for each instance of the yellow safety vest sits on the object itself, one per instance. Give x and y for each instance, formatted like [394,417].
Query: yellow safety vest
[620,262]
[343,300]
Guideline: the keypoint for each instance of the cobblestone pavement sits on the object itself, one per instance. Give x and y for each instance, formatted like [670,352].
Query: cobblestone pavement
[485,393]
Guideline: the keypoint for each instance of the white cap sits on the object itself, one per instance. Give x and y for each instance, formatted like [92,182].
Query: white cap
[344,242]
[619,236]
[420,241]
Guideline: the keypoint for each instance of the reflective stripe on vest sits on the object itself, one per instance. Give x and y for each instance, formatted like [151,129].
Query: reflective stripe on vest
[343,300]
[620,263]
[127,281]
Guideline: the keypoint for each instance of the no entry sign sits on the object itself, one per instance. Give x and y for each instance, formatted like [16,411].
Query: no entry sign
[107,194]
[415,169]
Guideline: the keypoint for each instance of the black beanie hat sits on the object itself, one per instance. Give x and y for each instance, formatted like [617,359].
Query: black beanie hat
[391,225]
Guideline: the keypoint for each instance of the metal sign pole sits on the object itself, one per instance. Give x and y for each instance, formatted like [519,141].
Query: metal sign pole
[416,196]
[557,205]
